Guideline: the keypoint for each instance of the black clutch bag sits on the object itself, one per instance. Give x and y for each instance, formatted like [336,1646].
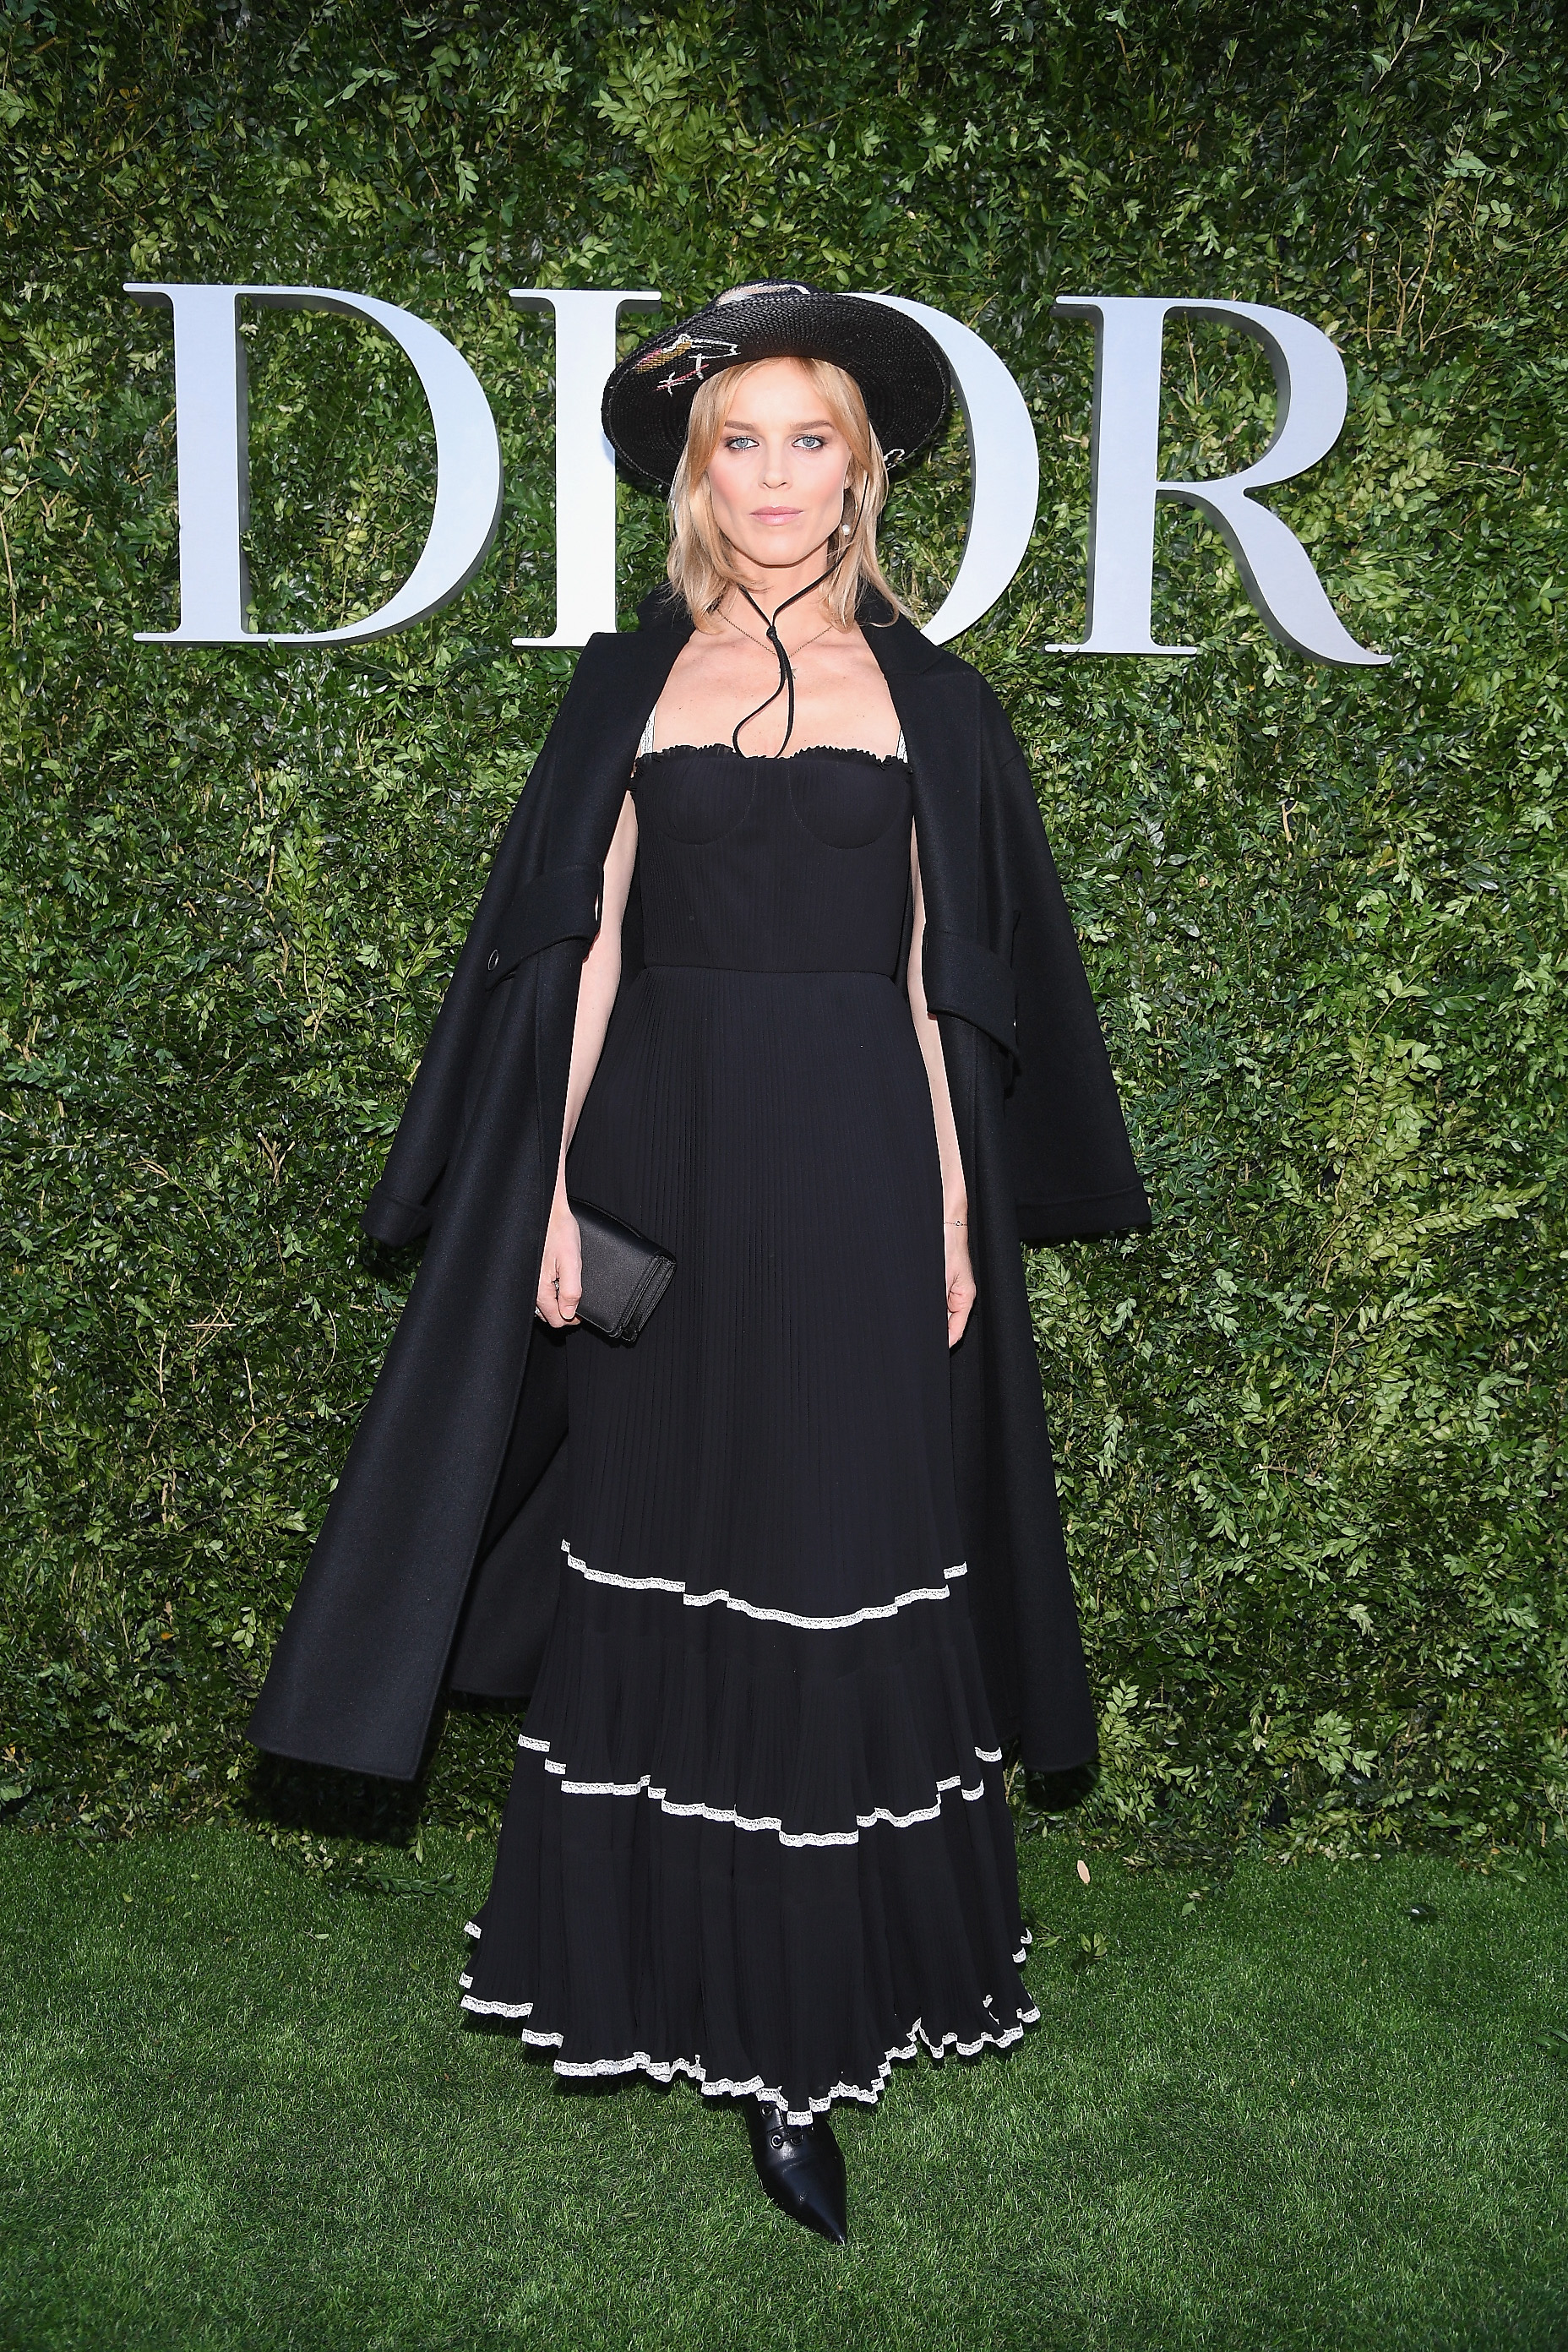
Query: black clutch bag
[624,1275]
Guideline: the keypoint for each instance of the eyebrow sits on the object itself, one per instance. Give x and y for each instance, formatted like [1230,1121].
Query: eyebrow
[813,425]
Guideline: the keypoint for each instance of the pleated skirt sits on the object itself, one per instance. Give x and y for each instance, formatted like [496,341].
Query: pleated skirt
[757,1832]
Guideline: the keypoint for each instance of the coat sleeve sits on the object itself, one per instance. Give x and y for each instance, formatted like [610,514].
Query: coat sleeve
[520,910]
[1072,1167]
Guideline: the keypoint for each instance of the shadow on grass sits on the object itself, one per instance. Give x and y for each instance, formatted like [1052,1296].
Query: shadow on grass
[1062,1792]
[317,1798]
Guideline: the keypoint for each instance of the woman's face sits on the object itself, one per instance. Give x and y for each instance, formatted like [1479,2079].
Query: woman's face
[778,472]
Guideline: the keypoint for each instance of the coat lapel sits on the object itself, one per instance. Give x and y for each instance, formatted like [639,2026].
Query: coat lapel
[627,677]
[934,697]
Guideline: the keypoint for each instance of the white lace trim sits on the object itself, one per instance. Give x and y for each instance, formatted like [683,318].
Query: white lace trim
[727,1815]
[665,2070]
[470,1928]
[751,1607]
[645,744]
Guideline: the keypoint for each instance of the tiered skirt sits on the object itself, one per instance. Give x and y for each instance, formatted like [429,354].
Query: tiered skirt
[757,1833]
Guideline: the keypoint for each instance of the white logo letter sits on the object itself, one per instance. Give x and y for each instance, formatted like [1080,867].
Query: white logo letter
[1309,384]
[1005,470]
[584,462]
[214,464]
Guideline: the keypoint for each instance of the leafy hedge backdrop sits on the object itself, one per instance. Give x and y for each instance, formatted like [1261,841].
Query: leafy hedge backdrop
[1309,1428]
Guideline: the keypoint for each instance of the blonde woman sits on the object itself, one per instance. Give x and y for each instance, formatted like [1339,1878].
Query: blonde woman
[773,971]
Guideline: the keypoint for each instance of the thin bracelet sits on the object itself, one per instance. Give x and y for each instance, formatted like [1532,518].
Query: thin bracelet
[955,1220]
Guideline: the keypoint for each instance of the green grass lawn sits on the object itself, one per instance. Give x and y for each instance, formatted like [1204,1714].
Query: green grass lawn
[240,2110]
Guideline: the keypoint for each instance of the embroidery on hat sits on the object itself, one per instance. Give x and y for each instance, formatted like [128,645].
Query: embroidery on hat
[661,352]
[703,350]
[760,286]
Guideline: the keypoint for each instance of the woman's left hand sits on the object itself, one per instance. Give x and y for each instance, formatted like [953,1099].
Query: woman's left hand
[961,1292]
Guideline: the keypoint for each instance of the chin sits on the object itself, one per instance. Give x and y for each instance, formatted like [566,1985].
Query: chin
[793,546]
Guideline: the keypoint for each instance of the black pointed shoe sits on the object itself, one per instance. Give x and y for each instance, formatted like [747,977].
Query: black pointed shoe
[801,2166]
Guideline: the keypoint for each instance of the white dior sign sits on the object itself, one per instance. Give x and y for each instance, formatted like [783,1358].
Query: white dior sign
[1310,383]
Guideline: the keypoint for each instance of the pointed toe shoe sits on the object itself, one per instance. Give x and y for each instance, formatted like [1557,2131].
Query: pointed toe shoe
[801,2166]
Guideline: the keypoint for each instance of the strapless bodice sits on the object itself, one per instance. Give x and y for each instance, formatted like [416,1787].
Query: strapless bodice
[746,864]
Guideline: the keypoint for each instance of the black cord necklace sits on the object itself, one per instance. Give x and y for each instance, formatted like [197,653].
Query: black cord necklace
[786,675]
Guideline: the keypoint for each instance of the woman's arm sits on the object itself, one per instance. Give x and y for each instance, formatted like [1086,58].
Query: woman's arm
[954,1193]
[561,1268]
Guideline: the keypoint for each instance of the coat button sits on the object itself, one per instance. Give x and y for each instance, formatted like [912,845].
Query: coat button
[495,958]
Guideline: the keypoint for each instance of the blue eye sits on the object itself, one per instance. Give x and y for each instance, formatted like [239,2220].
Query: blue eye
[811,440]
[739,441]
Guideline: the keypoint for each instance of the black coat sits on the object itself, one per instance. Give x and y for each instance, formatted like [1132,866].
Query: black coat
[460,1462]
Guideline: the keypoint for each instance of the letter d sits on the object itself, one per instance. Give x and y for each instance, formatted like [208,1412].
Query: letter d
[214,464]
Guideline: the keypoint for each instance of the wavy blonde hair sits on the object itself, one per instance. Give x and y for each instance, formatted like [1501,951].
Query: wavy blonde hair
[701,563]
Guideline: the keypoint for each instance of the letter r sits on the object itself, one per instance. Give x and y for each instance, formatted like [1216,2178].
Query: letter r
[1278,573]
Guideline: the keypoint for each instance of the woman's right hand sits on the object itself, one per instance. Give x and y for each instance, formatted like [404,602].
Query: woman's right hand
[561,1268]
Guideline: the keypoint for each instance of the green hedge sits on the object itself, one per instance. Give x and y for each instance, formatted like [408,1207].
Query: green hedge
[1309,1428]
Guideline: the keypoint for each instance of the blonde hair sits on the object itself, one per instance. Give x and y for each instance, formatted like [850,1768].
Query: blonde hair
[701,563]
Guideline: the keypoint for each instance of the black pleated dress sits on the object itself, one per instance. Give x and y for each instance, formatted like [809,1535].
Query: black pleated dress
[756,1832]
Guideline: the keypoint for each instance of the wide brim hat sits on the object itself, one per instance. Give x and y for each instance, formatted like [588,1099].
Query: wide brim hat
[901,370]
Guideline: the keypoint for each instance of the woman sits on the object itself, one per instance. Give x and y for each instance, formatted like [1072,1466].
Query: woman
[828,1044]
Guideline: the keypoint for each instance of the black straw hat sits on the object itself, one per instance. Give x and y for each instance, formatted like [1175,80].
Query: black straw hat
[901,370]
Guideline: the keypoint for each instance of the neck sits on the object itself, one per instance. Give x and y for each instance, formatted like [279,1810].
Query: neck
[773,585]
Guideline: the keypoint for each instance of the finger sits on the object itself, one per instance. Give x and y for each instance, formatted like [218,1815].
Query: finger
[569,1282]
